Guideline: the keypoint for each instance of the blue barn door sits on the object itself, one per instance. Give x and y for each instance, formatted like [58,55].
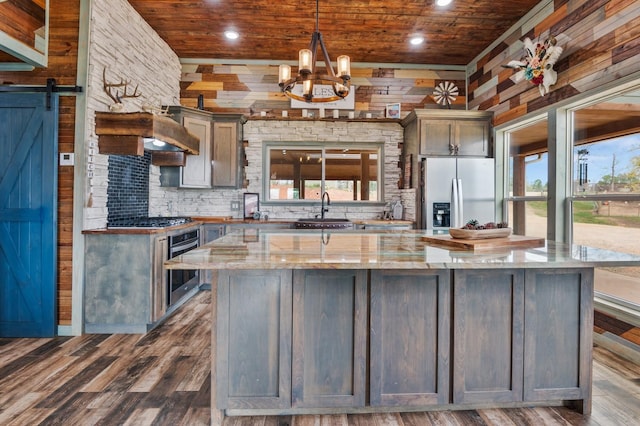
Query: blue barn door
[28,215]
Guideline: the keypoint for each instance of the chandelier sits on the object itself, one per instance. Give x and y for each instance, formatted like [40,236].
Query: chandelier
[308,74]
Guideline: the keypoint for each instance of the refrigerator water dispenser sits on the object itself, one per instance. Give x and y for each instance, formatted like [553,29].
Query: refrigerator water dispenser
[441,215]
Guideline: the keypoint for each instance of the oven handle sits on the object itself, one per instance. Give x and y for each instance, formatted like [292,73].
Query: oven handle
[188,245]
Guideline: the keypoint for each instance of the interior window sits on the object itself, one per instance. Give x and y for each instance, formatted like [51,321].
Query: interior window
[305,172]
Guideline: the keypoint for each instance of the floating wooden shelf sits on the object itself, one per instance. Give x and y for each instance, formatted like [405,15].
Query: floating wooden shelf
[168,158]
[123,133]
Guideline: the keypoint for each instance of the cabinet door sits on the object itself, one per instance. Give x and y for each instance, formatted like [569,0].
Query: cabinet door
[329,338]
[409,338]
[471,138]
[253,367]
[225,154]
[159,279]
[488,326]
[212,232]
[197,171]
[558,338]
[436,137]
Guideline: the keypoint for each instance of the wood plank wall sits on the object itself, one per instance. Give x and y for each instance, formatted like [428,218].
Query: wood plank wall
[63,57]
[601,41]
[249,89]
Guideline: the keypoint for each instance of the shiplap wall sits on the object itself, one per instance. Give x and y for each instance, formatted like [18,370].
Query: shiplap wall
[248,89]
[601,41]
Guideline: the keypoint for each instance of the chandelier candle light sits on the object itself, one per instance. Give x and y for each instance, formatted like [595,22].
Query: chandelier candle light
[308,74]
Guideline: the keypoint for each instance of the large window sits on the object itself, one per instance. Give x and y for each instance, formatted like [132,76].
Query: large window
[527,185]
[596,184]
[306,171]
[606,189]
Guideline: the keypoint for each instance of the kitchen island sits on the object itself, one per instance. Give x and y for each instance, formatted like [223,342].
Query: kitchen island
[356,321]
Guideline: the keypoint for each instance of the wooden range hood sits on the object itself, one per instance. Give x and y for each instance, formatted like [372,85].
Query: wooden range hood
[125,134]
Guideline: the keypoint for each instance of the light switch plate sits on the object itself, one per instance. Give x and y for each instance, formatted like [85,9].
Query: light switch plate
[66,159]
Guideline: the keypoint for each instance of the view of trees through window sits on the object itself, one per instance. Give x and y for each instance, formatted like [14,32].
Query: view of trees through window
[305,172]
[605,182]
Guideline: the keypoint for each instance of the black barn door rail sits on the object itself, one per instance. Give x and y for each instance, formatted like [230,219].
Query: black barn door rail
[50,88]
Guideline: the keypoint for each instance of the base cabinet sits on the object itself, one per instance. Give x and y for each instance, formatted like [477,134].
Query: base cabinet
[488,328]
[409,338]
[329,338]
[254,339]
[124,300]
[522,335]
[558,341]
[304,341]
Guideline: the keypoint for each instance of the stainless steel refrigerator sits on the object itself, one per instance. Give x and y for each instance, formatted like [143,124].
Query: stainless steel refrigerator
[456,190]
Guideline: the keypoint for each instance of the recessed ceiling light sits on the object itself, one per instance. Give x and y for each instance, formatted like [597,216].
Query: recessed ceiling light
[231,35]
[416,40]
[442,2]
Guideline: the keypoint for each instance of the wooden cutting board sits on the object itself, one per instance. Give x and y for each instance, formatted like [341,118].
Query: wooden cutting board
[513,241]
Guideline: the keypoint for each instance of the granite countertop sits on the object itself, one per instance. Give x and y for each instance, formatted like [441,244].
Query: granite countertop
[318,249]
[198,220]
[230,221]
[142,230]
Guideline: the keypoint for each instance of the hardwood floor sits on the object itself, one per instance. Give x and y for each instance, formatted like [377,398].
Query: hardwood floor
[163,378]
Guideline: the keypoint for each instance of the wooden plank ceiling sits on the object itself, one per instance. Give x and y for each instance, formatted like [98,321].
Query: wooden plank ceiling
[371,31]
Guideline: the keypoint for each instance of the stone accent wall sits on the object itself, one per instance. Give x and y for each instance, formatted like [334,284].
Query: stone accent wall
[130,49]
[408,199]
[257,132]
[217,202]
[600,42]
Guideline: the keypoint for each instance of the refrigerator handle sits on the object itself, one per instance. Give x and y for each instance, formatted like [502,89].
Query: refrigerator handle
[454,203]
[460,205]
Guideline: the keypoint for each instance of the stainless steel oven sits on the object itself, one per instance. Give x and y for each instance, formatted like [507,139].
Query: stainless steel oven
[181,281]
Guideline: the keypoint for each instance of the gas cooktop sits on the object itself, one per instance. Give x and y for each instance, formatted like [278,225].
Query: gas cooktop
[148,222]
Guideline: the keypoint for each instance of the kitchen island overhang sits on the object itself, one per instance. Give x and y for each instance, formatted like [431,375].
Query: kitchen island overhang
[346,322]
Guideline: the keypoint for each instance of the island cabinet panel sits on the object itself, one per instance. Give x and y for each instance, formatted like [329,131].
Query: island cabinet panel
[488,326]
[409,338]
[329,338]
[558,320]
[253,365]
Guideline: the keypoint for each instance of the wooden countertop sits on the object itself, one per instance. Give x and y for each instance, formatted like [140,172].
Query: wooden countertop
[362,249]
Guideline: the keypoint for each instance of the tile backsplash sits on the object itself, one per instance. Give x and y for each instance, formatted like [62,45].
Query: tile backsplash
[128,190]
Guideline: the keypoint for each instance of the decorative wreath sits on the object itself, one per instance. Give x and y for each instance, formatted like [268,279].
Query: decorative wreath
[537,64]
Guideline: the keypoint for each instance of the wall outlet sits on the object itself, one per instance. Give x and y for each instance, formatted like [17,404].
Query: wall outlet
[235,205]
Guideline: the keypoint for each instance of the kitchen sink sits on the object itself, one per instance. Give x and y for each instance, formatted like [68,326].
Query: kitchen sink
[326,223]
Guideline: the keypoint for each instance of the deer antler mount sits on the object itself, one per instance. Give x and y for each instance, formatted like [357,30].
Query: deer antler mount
[117,106]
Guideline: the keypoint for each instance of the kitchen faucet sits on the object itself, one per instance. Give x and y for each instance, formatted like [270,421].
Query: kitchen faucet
[323,208]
